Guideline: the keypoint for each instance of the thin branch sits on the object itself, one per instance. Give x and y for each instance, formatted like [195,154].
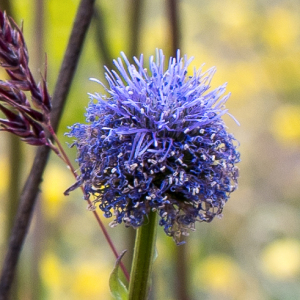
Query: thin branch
[100,223]
[14,186]
[22,221]
[37,244]
[101,39]
[31,188]
[135,26]
[174,25]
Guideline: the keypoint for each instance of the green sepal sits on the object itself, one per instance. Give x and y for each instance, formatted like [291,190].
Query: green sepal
[117,287]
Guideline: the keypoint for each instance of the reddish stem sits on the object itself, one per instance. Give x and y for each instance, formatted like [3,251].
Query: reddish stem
[107,237]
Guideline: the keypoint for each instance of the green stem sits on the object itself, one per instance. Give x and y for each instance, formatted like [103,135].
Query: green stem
[142,259]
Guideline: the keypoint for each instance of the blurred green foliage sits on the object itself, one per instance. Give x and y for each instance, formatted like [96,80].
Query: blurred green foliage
[254,251]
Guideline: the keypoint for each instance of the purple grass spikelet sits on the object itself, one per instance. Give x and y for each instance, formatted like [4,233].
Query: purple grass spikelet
[21,118]
[157,142]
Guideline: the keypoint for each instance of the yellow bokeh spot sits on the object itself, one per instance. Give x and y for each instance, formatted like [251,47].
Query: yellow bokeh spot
[285,124]
[243,79]
[60,18]
[56,181]
[85,280]
[281,259]
[90,282]
[52,273]
[220,274]
[281,30]
[4,167]
[155,36]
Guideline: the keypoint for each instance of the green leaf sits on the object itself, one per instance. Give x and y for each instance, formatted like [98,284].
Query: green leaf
[117,287]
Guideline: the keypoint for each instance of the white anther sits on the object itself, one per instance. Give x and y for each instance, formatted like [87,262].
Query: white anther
[152,196]
[185,233]
[187,130]
[130,186]
[133,166]
[113,170]
[165,198]
[201,131]
[154,162]
[142,111]
[172,153]
[213,157]
[212,136]
[164,214]
[186,146]
[113,224]
[162,168]
[103,136]
[213,183]
[130,92]
[148,198]
[151,172]
[120,154]
[175,173]
[170,180]
[135,182]
[145,175]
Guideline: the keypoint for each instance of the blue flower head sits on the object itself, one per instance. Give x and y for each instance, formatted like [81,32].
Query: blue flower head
[157,142]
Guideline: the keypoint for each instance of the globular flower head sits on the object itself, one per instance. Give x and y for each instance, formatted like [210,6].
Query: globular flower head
[157,142]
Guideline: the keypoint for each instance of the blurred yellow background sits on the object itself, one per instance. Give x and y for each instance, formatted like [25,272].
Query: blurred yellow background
[253,252]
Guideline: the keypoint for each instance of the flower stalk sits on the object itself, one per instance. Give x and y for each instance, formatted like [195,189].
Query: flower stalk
[144,254]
